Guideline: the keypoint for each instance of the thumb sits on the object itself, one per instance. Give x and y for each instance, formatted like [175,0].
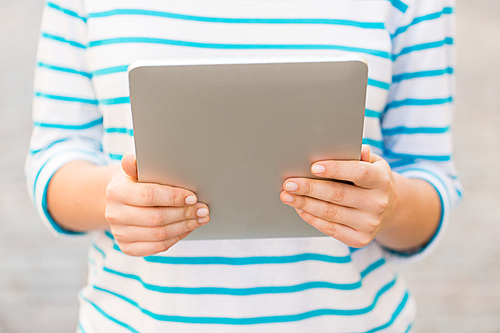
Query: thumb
[129,165]
[366,154]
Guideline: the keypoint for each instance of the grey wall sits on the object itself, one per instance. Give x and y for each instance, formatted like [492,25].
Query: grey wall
[457,288]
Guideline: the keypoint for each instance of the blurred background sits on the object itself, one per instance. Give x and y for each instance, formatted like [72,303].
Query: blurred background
[457,287]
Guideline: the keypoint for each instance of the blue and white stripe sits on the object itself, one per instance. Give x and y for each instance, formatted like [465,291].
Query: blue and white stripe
[81,111]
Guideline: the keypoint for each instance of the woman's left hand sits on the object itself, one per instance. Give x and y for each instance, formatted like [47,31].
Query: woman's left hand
[353,214]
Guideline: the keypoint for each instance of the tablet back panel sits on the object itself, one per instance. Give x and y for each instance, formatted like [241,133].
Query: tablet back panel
[233,132]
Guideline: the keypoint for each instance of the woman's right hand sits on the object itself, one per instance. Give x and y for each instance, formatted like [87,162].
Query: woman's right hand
[146,218]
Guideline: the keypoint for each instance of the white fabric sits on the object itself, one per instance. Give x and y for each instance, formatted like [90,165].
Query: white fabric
[81,112]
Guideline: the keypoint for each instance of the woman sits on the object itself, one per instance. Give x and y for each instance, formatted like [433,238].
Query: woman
[142,277]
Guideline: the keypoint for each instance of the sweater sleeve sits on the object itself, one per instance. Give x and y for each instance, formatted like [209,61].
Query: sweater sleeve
[67,124]
[416,123]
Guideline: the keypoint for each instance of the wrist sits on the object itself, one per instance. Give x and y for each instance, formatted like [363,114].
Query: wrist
[415,217]
[76,195]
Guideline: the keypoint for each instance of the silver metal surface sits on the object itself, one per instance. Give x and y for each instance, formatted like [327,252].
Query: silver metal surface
[233,133]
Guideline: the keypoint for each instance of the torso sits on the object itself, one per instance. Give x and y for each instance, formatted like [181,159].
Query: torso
[271,285]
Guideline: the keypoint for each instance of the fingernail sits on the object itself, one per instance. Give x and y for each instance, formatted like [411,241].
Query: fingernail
[300,211]
[190,200]
[287,198]
[291,186]
[202,212]
[318,168]
[203,220]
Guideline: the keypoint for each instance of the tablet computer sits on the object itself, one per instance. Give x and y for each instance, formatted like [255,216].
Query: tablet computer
[232,130]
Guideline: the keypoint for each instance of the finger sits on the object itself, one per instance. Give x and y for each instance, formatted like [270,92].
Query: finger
[152,195]
[345,234]
[143,249]
[129,165]
[154,216]
[156,234]
[362,174]
[330,191]
[324,210]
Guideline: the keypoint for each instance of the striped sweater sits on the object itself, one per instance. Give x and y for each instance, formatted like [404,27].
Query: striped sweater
[81,111]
